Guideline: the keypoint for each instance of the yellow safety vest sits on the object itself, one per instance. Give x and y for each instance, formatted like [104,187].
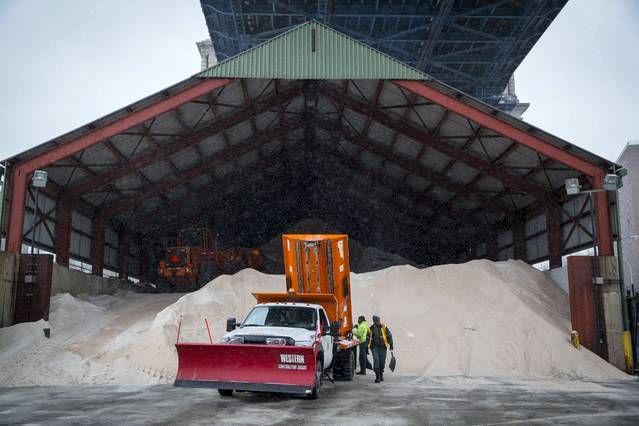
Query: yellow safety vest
[383,336]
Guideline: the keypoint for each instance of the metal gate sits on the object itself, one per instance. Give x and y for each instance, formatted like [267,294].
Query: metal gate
[586,304]
[33,291]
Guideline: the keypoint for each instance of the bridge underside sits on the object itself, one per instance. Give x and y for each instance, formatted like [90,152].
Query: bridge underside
[472,45]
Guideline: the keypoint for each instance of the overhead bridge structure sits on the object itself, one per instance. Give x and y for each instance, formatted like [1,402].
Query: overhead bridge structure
[473,45]
[310,124]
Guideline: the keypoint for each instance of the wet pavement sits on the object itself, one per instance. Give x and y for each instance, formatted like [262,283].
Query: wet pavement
[399,400]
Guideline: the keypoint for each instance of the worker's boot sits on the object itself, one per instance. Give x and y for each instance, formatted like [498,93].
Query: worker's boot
[381,375]
[377,375]
[362,373]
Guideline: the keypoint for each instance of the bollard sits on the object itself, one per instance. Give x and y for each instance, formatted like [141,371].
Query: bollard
[574,339]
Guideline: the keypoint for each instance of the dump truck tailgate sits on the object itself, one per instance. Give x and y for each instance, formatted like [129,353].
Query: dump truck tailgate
[267,368]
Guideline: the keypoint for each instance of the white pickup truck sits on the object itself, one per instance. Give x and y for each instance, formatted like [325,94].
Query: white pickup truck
[289,341]
[285,324]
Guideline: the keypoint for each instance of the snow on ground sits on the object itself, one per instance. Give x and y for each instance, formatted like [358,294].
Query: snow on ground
[472,320]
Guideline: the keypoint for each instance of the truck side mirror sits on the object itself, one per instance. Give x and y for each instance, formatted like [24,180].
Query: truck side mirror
[231,324]
[334,329]
[326,330]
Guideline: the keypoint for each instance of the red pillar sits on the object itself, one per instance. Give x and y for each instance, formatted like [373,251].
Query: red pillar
[62,243]
[553,234]
[123,254]
[135,118]
[602,215]
[16,209]
[519,238]
[97,246]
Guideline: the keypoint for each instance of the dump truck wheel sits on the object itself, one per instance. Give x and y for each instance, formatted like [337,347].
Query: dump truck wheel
[225,392]
[343,367]
[319,369]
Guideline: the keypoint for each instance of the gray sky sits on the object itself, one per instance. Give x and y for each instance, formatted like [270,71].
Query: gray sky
[67,62]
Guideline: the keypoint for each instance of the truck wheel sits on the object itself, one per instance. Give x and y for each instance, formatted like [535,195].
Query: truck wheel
[319,369]
[343,365]
[225,392]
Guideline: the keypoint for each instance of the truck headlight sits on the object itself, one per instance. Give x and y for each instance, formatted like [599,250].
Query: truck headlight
[237,340]
[276,341]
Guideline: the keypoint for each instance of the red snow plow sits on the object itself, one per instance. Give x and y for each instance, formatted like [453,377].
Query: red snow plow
[289,341]
[245,367]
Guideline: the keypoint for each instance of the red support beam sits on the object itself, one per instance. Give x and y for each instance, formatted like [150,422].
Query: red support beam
[123,254]
[489,121]
[423,137]
[218,126]
[131,120]
[519,238]
[97,246]
[62,243]
[553,234]
[22,170]
[16,209]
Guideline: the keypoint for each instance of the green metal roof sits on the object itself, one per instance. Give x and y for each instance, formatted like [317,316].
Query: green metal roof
[313,51]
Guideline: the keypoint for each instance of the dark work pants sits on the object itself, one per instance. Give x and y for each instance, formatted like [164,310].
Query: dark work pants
[363,348]
[379,358]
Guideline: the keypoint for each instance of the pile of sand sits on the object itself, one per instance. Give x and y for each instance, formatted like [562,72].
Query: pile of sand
[474,320]
[362,258]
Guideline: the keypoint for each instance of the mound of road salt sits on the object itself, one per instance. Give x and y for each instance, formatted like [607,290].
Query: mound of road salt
[476,319]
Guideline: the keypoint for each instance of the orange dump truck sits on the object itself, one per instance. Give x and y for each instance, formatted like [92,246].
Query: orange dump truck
[289,341]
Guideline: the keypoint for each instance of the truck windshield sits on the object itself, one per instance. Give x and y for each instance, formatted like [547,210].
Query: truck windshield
[281,316]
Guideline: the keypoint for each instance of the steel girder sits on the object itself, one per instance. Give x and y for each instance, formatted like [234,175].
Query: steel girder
[205,165]
[472,45]
[409,165]
[423,137]
[497,125]
[185,142]
[22,171]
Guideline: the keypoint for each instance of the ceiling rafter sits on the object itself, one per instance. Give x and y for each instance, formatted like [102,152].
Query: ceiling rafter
[168,149]
[409,165]
[217,187]
[202,167]
[397,186]
[435,143]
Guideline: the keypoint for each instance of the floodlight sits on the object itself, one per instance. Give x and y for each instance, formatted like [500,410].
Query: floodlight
[39,179]
[611,182]
[572,186]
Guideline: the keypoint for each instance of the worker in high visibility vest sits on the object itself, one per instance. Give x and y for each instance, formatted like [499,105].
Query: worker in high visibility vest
[361,332]
[380,338]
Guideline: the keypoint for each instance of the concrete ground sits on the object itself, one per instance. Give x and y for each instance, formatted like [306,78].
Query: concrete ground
[399,400]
